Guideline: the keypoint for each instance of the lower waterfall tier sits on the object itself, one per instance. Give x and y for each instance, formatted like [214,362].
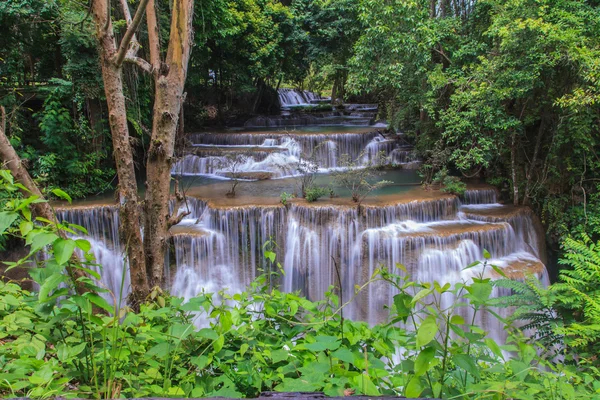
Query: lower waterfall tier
[433,236]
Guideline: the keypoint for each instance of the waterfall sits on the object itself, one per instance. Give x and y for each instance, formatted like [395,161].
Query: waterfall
[296,97]
[102,225]
[219,247]
[276,152]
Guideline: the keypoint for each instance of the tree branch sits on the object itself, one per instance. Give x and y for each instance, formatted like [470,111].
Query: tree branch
[153,35]
[176,217]
[140,62]
[135,23]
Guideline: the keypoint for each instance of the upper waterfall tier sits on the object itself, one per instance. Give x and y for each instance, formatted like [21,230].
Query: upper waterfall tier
[282,154]
[296,97]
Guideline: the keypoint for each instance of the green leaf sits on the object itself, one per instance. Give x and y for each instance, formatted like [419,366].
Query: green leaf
[6,220]
[467,363]
[160,350]
[422,293]
[480,291]
[402,302]
[424,361]
[61,194]
[279,355]
[426,331]
[493,346]
[201,361]
[344,354]
[63,250]
[218,344]
[25,227]
[99,301]
[50,284]
[83,245]
[39,240]
[414,388]
[457,320]
[486,254]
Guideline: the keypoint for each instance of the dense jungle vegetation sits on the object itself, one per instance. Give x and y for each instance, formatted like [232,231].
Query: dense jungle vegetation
[94,97]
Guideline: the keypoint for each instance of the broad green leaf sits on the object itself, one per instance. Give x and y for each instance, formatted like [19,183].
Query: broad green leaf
[39,240]
[457,320]
[486,254]
[493,346]
[63,250]
[279,355]
[402,303]
[480,292]
[422,293]
[83,245]
[344,355]
[50,284]
[414,388]
[423,361]
[61,194]
[218,344]
[6,220]
[99,301]
[201,361]
[426,331]
[25,227]
[467,363]
[160,350]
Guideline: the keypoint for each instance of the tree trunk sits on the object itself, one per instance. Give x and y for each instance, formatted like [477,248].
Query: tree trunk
[513,167]
[167,105]
[129,227]
[536,152]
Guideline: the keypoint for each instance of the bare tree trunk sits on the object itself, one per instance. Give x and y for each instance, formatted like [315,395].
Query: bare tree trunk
[169,86]
[536,152]
[513,167]
[129,227]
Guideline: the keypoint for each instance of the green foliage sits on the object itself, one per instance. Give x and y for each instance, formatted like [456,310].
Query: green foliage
[314,193]
[448,183]
[494,88]
[284,197]
[357,176]
[65,341]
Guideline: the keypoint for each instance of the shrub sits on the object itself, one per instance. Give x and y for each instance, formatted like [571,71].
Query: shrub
[453,185]
[284,197]
[357,176]
[314,193]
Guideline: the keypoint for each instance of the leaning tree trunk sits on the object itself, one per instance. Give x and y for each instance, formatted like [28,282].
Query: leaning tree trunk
[129,226]
[169,84]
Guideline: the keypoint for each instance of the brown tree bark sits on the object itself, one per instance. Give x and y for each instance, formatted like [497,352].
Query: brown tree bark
[513,167]
[536,152]
[112,75]
[168,100]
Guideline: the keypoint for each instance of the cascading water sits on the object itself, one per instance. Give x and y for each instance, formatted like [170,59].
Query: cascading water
[296,97]
[219,244]
[276,153]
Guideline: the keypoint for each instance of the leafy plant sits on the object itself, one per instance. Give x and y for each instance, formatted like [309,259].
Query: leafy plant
[284,197]
[314,193]
[357,176]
